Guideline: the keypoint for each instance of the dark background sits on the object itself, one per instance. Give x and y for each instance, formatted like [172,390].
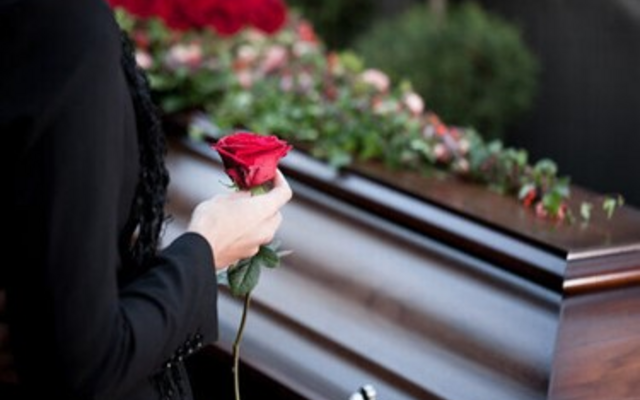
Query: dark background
[586,116]
[587,113]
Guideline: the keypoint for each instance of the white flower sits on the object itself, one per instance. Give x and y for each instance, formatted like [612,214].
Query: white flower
[461,165]
[464,145]
[247,54]
[414,103]
[255,36]
[428,131]
[144,59]
[377,79]
[441,152]
[181,55]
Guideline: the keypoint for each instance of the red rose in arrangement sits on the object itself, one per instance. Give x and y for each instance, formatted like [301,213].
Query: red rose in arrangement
[267,15]
[175,16]
[251,159]
[226,17]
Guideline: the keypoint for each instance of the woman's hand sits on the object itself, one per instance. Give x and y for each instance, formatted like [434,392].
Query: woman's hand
[237,224]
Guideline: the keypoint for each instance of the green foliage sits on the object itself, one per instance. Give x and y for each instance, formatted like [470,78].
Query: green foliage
[472,67]
[610,204]
[335,107]
[244,276]
[337,21]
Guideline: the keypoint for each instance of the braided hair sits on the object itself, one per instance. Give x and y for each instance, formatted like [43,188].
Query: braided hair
[147,213]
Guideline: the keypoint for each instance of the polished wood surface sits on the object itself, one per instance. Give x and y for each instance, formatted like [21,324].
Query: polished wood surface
[598,348]
[421,300]
[600,235]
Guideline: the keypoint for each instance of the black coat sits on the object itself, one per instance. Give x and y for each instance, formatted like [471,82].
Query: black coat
[70,167]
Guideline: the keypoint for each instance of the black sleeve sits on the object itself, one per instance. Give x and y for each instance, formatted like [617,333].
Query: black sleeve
[73,166]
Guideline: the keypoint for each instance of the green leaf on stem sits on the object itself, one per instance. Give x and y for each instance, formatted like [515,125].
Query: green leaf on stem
[269,257]
[585,210]
[243,277]
[610,204]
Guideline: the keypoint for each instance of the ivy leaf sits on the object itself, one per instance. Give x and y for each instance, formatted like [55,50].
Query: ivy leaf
[610,204]
[351,61]
[546,167]
[173,103]
[552,201]
[244,276]
[585,210]
[269,256]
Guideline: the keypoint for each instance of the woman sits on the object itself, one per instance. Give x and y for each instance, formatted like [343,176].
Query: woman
[94,311]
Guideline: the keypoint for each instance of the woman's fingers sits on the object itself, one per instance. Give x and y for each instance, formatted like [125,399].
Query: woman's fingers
[278,196]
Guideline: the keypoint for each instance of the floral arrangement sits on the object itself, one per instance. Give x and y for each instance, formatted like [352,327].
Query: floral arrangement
[328,103]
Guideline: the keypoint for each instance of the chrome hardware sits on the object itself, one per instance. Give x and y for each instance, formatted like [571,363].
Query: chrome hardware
[366,392]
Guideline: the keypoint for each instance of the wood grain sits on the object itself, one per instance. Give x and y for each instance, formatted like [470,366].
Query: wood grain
[598,347]
[444,291]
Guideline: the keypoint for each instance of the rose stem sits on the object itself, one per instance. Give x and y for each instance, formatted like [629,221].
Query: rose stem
[236,346]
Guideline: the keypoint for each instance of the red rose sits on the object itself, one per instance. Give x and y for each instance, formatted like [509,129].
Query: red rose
[530,197]
[225,18]
[266,15]
[176,16]
[251,159]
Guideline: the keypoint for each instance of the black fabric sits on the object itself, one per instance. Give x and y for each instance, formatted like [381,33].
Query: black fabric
[70,170]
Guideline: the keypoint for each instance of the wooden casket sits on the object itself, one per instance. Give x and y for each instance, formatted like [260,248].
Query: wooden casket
[423,289]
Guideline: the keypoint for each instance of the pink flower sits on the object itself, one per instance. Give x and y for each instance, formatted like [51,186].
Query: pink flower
[180,55]
[286,83]
[275,58]
[562,212]
[441,152]
[144,59]
[540,210]
[461,166]
[305,81]
[245,78]
[306,32]
[377,79]
[414,103]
